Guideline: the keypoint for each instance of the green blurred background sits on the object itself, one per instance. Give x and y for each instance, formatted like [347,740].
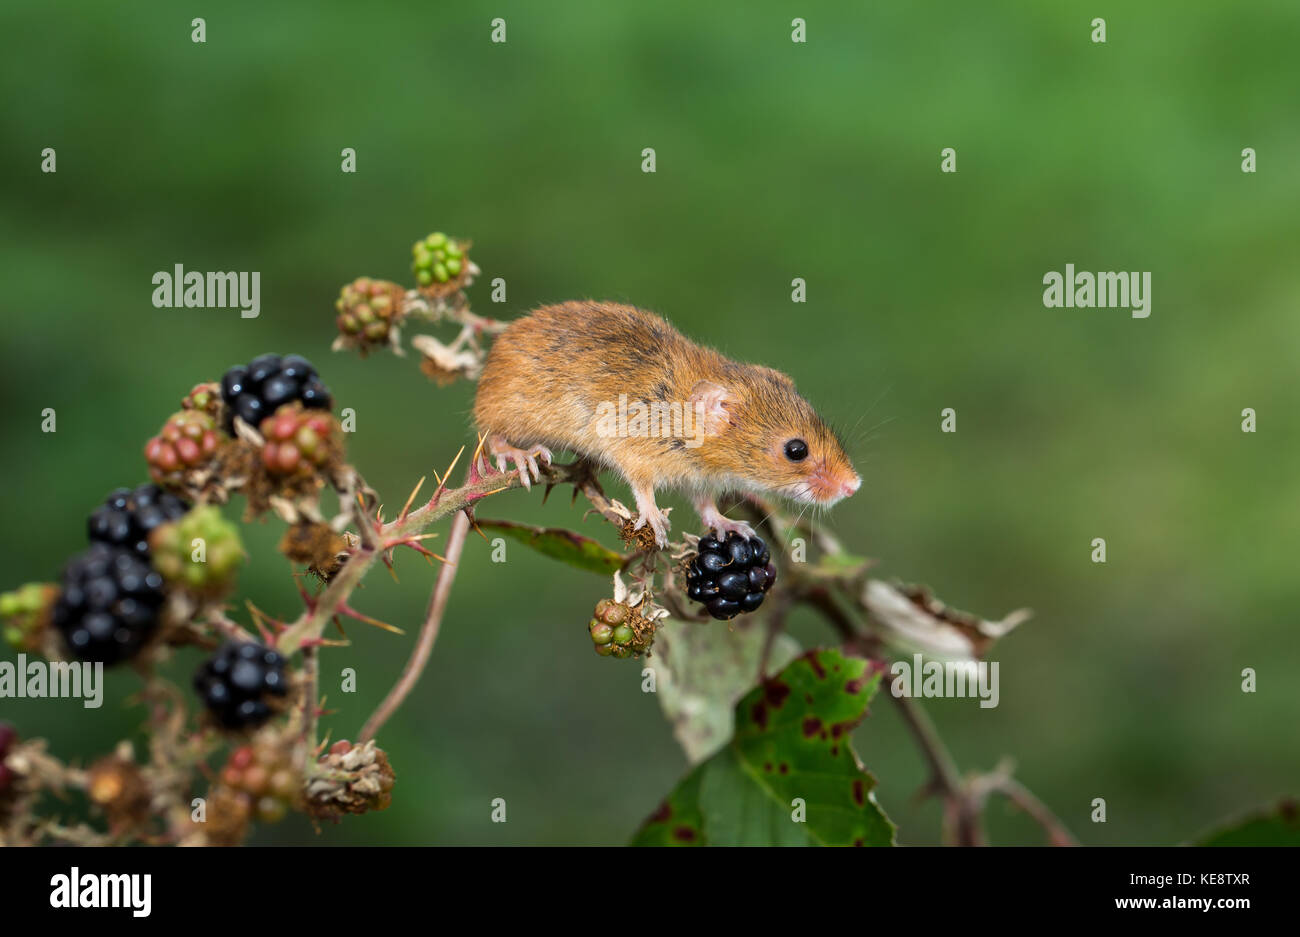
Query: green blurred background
[775,160]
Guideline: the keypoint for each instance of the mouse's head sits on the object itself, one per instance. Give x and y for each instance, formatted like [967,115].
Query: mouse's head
[758,430]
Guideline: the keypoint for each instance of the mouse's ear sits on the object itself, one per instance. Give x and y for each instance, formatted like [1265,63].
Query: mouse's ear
[709,402]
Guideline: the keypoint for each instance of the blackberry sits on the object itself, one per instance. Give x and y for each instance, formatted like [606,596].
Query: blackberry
[214,572]
[234,683]
[437,259]
[187,440]
[256,390]
[127,517]
[109,603]
[368,310]
[300,441]
[619,630]
[730,576]
[8,737]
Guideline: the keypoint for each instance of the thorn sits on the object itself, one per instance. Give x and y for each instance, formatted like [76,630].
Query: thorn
[447,474]
[345,609]
[308,600]
[259,619]
[547,493]
[427,554]
[411,497]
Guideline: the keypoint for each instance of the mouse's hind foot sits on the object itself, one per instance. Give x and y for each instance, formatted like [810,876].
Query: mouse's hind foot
[525,460]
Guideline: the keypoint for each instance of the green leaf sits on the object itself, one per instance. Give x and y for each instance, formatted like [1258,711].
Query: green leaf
[789,775]
[1278,825]
[561,544]
[701,671]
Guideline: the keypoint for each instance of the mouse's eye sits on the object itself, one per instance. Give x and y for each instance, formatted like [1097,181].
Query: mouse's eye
[796,450]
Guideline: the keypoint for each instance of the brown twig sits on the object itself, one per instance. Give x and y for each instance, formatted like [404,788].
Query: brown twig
[428,632]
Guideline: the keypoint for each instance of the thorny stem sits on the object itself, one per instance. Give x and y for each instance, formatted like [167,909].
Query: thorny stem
[312,623]
[428,632]
[310,701]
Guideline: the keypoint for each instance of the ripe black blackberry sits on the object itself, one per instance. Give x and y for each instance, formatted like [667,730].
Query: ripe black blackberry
[234,683]
[730,576]
[126,518]
[108,606]
[256,390]
[8,738]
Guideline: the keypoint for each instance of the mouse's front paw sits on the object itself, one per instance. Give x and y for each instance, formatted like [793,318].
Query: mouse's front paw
[720,524]
[658,522]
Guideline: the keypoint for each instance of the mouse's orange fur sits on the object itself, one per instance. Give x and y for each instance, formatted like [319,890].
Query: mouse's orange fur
[553,380]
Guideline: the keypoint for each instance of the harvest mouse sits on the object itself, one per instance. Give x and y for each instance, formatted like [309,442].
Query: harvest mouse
[622,387]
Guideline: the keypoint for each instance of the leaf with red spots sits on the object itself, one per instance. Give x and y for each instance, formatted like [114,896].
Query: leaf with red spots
[702,671]
[677,822]
[789,775]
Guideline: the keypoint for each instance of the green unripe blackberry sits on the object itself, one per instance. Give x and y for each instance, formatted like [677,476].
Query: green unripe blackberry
[438,262]
[25,612]
[199,553]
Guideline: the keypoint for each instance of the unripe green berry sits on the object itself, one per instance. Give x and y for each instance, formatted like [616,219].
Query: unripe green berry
[440,273]
[601,633]
[307,440]
[623,635]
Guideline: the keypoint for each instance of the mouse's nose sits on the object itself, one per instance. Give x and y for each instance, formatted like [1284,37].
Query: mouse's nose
[849,487]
